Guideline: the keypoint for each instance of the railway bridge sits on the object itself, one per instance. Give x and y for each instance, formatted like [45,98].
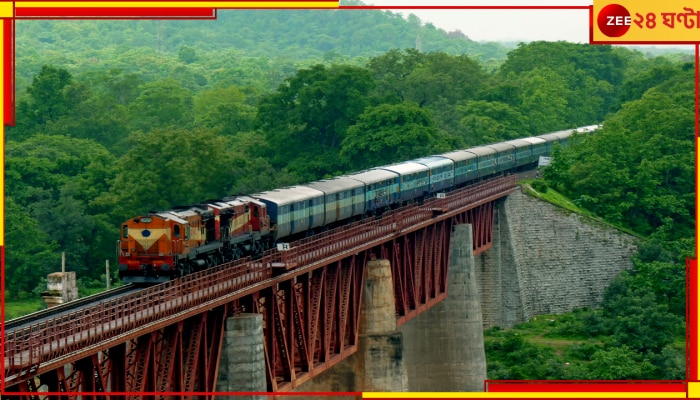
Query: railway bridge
[306,298]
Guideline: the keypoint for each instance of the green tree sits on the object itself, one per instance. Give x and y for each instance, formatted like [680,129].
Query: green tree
[306,120]
[425,78]
[591,77]
[390,133]
[543,98]
[29,254]
[638,169]
[187,55]
[70,226]
[48,99]
[492,121]
[642,324]
[167,167]
[225,110]
[55,179]
[161,104]
[618,363]
[40,166]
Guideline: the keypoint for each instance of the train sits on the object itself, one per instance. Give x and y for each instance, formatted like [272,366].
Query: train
[160,246]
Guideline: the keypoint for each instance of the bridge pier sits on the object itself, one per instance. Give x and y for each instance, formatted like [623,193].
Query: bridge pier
[444,348]
[378,364]
[242,367]
[380,348]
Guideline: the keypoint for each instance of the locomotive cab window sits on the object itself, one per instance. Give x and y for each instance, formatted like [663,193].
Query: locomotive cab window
[176,231]
[125,231]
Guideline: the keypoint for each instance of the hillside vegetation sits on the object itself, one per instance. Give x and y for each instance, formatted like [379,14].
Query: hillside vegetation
[116,118]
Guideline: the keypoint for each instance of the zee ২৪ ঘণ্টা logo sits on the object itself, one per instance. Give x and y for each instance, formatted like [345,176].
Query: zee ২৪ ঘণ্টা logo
[614,20]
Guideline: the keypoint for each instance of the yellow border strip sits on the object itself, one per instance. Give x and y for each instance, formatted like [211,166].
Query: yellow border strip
[6,11]
[185,4]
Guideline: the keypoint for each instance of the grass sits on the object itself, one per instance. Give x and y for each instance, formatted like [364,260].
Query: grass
[22,306]
[554,197]
[28,303]
[546,331]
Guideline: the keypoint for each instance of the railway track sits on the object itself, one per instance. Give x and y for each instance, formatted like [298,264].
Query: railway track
[67,307]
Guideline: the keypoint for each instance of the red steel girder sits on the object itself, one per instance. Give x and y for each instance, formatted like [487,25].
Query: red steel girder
[419,262]
[481,219]
[179,358]
[314,310]
[311,321]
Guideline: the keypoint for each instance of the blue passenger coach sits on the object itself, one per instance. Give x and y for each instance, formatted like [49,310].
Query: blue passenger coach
[381,188]
[465,165]
[344,198]
[487,158]
[293,209]
[413,180]
[441,172]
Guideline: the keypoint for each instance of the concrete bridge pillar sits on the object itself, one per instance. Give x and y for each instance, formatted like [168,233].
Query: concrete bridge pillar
[380,348]
[242,366]
[444,348]
[378,364]
[61,288]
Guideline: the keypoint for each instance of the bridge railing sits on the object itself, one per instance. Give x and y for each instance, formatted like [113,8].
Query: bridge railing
[61,337]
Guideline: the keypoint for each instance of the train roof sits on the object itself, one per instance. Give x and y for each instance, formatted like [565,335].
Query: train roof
[458,155]
[407,167]
[289,195]
[190,212]
[558,135]
[335,185]
[434,161]
[226,203]
[588,129]
[248,199]
[372,175]
[534,140]
[501,146]
[482,150]
[519,143]
[169,216]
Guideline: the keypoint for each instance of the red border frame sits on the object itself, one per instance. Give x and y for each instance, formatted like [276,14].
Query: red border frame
[491,386]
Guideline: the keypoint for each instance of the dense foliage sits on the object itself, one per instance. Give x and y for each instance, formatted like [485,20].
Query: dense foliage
[108,128]
[242,47]
[638,334]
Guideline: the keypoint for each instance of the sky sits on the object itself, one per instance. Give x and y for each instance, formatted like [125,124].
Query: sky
[503,25]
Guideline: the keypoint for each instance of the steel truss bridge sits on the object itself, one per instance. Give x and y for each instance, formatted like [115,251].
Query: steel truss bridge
[167,340]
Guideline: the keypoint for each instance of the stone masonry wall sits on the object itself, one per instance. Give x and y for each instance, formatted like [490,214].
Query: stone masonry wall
[546,260]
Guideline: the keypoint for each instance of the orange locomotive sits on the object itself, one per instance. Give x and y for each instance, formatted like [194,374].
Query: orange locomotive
[165,245]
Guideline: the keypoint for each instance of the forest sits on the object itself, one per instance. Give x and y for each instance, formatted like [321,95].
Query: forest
[107,128]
